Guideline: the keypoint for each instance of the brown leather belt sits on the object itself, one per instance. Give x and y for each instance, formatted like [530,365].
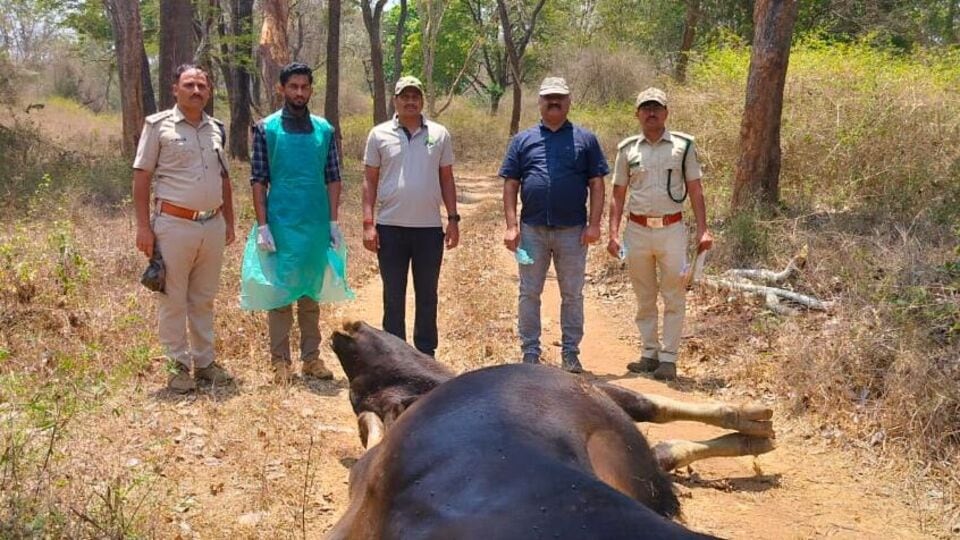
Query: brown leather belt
[656,222]
[185,213]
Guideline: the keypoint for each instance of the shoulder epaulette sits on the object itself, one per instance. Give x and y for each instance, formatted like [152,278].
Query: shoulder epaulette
[627,141]
[156,117]
[222,130]
[682,135]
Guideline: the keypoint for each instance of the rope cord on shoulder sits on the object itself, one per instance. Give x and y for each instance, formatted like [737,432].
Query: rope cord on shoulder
[683,173]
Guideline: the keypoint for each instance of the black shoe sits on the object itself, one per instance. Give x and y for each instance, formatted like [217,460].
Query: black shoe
[645,365]
[571,362]
[531,358]
[666,371]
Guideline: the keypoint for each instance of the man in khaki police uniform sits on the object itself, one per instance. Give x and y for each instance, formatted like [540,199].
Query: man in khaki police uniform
[181,153]
[659,169]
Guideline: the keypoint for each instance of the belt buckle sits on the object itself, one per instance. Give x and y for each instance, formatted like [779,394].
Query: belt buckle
[204,216]
[655,222]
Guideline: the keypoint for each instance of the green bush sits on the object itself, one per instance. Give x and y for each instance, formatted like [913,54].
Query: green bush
[863,128]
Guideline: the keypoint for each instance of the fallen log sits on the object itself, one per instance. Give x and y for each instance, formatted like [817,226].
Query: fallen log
[770,277]
[763,290]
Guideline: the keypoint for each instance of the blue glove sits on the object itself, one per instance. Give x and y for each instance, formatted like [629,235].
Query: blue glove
[523,257]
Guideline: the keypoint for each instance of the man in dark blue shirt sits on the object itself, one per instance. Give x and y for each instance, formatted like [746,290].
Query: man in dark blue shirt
[553,166]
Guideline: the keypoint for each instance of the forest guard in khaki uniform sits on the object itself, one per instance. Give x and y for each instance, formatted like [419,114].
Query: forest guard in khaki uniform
[659,170]
[181,154]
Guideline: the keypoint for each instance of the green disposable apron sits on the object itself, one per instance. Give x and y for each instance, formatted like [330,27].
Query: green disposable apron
[298,213]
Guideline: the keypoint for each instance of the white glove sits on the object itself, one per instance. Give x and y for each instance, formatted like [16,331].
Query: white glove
[336,236]
[265,239]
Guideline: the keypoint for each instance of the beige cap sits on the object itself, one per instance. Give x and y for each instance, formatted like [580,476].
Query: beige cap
[554,85]
[652,94]
[406,82]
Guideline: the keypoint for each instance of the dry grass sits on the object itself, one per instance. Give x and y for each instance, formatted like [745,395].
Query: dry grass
[871,184]
[91,449]
[471,291]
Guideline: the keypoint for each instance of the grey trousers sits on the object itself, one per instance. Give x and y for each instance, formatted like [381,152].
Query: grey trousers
[280,321]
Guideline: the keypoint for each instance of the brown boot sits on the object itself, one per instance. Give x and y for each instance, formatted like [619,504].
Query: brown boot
[281,372]
[180,381]
[213,374]
[666,371]
[314,368]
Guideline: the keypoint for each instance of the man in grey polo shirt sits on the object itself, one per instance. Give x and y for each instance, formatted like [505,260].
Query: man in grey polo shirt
[408,175]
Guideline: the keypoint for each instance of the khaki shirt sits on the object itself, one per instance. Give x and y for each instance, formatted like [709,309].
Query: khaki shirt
[408,193]
[187,162]
[644,167]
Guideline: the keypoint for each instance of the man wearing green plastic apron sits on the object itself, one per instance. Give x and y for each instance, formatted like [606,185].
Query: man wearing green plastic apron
[295,177]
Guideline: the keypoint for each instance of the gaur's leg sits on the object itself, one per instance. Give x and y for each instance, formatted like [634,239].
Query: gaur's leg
[751,419]
[675,454]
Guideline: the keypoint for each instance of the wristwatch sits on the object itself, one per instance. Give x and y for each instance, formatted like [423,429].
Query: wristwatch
[453,218]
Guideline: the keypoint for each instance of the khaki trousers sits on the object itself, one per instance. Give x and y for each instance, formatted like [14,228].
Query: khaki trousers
[649,252]
[279,322]
[193,255]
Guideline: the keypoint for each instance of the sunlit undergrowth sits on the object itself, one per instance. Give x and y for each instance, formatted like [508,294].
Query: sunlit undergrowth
[870,182]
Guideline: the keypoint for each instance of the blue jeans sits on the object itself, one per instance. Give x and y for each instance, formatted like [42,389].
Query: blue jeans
[562,245]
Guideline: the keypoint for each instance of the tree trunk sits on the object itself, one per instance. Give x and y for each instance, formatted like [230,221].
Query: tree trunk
[256,85]
[331,104]
[274,47]
[951,27]
[758,168]
[372,16]
[515,111]
[514,60]
[205,20]
[397,53]
[177,44]
[494,104]
[689,34]
[431,18]
[492,56]
[295,49]
[515,51]
[149,101]
[236,53]
[128,43]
